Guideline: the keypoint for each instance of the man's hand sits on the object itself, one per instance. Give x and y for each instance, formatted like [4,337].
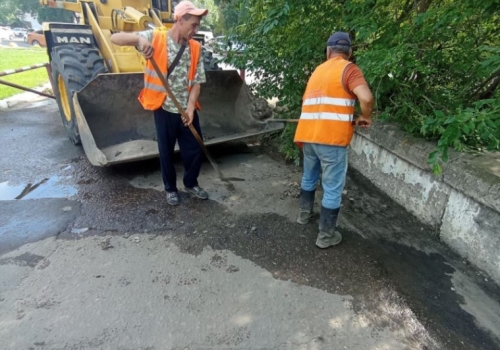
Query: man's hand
[363,122]
[146,48]
[190,114]
[366,102]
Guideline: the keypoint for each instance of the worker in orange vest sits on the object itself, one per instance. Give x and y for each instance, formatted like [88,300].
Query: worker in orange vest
[180,59]
[325,130]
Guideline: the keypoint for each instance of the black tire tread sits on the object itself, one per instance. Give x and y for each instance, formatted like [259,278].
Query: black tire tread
[78,65]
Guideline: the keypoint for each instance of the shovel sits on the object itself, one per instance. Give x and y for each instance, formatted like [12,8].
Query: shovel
[185,117]
[272,120]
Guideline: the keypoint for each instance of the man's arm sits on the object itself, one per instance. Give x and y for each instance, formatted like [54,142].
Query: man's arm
[355,82]
[125,39]
[133,39]
[366,102]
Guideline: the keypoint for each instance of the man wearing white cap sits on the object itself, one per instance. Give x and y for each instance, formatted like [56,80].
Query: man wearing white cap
[183,65]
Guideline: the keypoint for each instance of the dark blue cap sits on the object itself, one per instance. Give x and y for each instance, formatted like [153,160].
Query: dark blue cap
[339,39]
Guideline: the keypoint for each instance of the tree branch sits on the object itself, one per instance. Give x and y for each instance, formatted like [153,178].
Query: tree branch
[406,11]
[489,91]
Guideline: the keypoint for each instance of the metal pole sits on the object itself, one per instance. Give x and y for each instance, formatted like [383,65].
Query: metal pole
[23,69]
[26,89]
[49,72]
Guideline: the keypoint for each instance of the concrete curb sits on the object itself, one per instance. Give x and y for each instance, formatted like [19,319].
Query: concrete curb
[24,97]
[462,205]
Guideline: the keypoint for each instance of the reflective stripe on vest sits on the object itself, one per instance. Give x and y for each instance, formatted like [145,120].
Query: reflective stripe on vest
[327,109]
[153,94]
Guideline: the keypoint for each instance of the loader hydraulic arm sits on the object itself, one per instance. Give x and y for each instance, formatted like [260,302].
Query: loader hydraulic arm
[118,15]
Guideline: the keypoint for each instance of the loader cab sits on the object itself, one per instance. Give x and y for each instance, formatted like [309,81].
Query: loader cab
[164,9]
[162,5]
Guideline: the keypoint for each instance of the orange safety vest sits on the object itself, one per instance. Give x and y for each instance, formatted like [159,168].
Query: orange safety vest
[154,94]
[327,108]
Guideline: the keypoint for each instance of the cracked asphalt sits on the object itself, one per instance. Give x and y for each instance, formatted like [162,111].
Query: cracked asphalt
[94,258]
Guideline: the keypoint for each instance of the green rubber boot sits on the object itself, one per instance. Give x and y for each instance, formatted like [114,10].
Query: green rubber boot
[327,236]
[306,203]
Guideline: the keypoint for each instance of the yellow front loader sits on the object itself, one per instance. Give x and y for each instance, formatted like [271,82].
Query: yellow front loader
[96,83]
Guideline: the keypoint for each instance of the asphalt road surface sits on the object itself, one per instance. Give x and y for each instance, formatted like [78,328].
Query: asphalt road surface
[94,258]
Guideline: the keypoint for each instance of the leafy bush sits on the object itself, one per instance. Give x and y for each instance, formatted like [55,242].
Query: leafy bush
[433,65]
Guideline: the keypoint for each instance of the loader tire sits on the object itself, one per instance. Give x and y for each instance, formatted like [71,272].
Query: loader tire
[73,67]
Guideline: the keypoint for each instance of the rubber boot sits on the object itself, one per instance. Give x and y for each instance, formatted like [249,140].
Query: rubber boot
[306,203]
[327,236]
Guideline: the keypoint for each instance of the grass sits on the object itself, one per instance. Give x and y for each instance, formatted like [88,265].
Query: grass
[13,58]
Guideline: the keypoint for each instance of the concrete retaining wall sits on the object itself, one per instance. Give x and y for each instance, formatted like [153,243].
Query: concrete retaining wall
[462,204]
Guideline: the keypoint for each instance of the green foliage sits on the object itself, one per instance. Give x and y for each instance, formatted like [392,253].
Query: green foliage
[232,12]
[474,128]
[12,11]
[435,73]
[9,12]
[212,19]
[287,147]
[433,65]
[47,14]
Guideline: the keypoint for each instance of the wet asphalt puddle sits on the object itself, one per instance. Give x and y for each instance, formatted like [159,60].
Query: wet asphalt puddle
[36,210]
[44,188]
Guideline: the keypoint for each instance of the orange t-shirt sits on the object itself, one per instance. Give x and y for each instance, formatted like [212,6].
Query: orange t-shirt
[353,77]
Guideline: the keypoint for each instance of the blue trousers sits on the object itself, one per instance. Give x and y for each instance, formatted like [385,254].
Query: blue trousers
[332,161]
[169,129]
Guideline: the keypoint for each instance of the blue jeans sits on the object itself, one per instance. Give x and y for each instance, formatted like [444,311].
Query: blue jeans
[332,160]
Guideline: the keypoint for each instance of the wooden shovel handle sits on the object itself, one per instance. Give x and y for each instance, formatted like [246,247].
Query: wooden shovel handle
[185,117]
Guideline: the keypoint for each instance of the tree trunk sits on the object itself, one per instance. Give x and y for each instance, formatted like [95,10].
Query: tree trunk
[424,5]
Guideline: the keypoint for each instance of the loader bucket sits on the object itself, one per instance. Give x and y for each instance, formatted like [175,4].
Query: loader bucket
[114,128]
